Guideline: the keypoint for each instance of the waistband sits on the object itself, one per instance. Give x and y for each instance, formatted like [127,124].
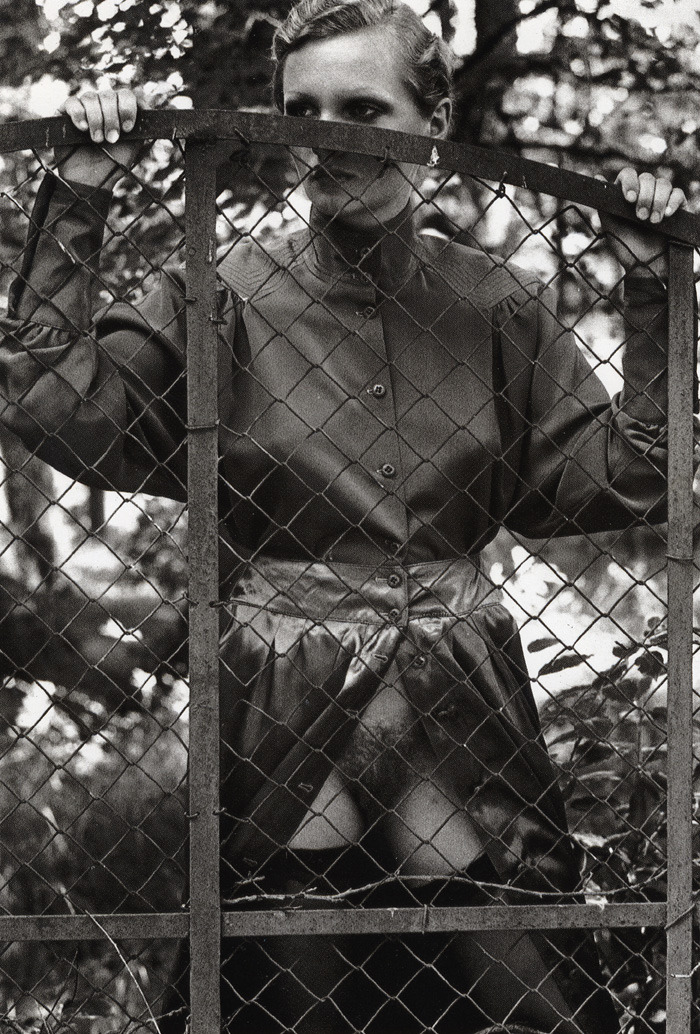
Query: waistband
[395,593]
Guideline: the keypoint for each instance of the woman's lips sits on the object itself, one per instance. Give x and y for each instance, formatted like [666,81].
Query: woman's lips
[321,172]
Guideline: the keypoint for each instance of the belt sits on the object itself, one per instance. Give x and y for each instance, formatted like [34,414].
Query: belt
[321,591]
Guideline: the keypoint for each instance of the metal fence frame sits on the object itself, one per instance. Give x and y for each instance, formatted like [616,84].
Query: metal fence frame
[209,138]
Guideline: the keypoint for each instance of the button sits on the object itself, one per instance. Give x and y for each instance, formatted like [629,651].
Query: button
[394,614]
[378,389]
[394,580]
[369,312]
[388,470]
[420,662]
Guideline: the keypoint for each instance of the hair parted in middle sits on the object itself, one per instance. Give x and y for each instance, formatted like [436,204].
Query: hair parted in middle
[428,59]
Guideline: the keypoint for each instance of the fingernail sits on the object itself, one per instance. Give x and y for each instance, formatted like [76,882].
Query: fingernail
[630,195]
[128,126]
[655,217]
[113,136]
[642,213]
[97,136]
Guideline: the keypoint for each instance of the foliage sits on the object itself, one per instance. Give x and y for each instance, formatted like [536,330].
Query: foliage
[608,736]
[96,824]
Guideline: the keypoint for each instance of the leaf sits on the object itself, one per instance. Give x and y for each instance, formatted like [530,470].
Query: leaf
[561,662]
[645,798]
[592,752]
[651,662]
[542,644]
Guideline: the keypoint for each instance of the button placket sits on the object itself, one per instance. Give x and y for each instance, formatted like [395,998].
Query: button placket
[397,597]
[382,458]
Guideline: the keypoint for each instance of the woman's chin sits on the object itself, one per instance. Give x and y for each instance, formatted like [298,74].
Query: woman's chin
[339,205]
[353,211]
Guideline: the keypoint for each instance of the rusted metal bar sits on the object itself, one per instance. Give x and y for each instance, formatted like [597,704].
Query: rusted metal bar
[681,369]
[203,436]
[290,920]
[238,126]
[295,921]
[140,926]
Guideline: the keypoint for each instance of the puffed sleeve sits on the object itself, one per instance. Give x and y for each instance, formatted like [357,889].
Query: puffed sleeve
[100,397]
[581,462]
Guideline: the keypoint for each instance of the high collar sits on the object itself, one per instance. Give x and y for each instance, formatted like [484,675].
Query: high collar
[386,254]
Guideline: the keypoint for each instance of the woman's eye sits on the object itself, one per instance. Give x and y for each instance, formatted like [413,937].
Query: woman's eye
[364,112]
[299,109]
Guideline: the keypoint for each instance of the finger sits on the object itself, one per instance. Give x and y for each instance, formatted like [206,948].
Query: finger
[128,108]
[111,124]
[76,112]
[93,114]
[629,181]
[676,200]
[645,198]
[662,193]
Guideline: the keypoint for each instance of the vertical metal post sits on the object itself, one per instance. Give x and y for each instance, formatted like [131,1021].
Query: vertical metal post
[681,368]
[202,408]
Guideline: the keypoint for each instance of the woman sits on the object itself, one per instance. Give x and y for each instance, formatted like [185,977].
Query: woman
[388,402]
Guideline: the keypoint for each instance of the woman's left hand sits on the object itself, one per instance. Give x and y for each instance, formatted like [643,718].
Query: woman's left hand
[636,246]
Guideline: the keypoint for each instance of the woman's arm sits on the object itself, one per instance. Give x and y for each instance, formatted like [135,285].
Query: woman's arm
[584,463]
[100,398]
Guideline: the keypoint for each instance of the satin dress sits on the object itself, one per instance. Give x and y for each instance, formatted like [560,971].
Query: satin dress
[388,401]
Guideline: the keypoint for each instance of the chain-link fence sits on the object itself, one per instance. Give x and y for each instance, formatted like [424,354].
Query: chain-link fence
[398,468]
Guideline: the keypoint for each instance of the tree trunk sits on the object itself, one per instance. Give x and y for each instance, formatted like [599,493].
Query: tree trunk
[488,72]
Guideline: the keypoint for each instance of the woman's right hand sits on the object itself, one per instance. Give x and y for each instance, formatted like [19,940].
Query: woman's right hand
[104,115]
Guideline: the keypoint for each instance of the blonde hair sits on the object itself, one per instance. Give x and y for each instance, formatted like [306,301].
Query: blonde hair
[427,58]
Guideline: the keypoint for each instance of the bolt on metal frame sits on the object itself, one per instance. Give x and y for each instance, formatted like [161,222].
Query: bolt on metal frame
[209,137]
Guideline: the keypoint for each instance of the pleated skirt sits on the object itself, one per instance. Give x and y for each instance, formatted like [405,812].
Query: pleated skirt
[306,648]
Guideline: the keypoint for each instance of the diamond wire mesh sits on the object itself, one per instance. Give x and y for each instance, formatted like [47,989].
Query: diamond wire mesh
[100,824]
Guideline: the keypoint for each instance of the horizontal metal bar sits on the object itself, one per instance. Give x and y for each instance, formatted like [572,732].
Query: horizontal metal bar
[293,921]
[496,166]
[140,926]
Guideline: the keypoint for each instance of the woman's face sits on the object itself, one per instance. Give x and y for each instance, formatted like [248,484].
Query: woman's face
[357,78]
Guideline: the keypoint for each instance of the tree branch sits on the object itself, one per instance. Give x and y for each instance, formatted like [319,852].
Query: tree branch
[484,48]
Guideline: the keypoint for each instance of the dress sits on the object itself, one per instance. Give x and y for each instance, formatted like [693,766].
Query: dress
[387,401]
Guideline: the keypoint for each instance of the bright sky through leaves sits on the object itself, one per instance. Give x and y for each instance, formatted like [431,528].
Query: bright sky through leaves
[667,19]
